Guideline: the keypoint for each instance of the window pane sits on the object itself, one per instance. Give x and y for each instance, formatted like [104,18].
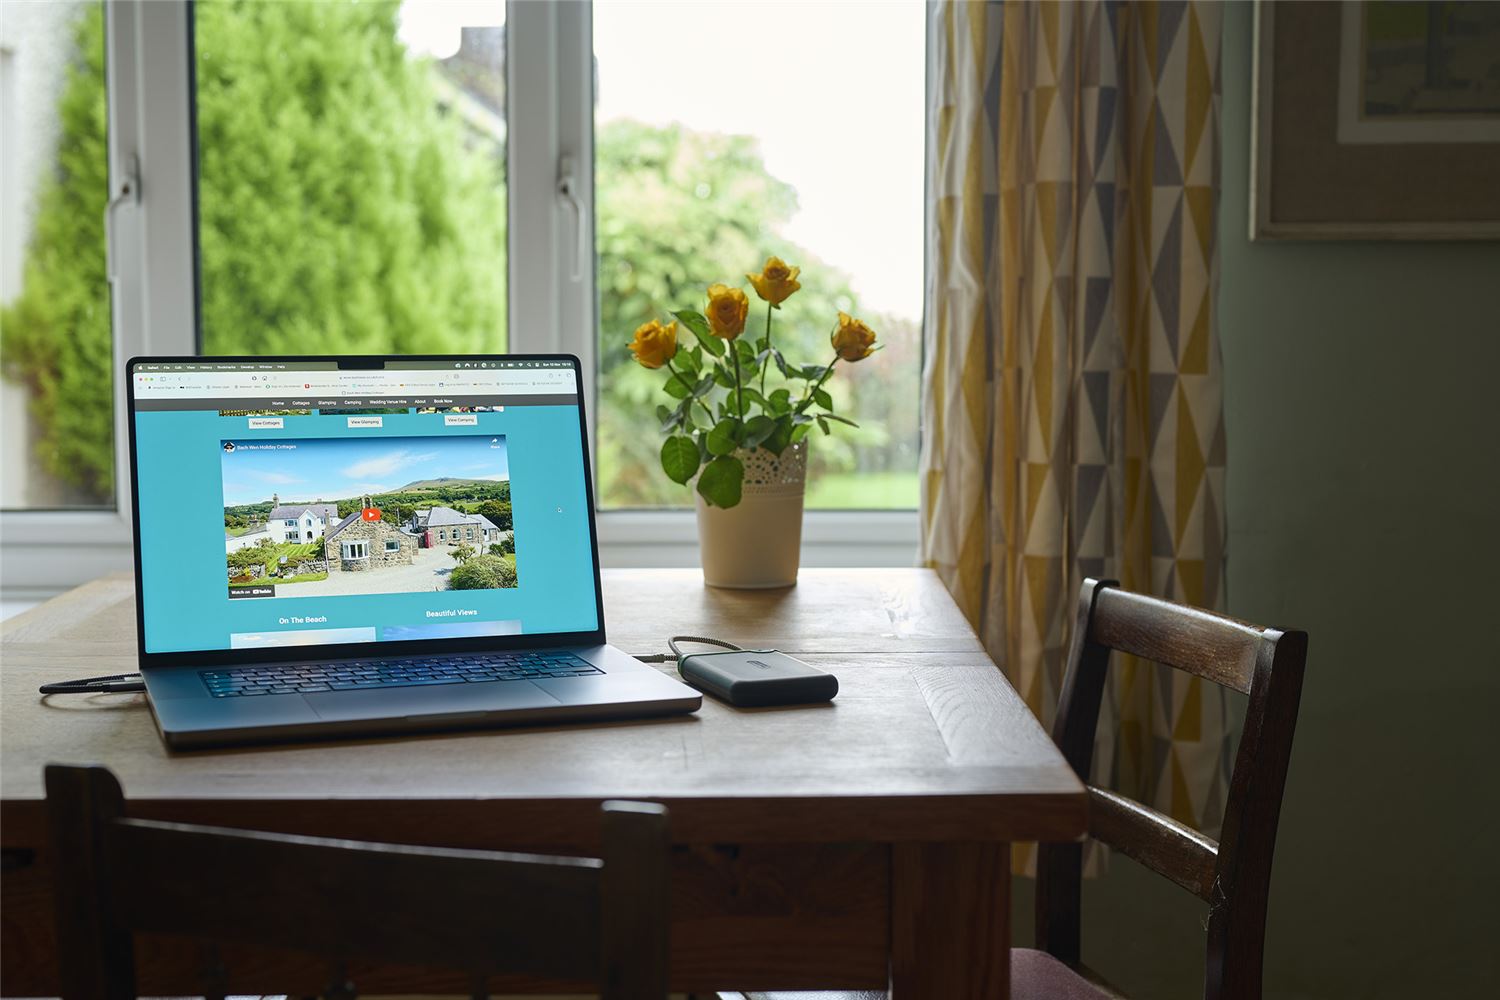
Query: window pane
[756,130]
[56,421]
[351,176]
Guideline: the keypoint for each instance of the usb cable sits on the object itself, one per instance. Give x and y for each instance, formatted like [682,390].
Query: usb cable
[113,684]
[676,654]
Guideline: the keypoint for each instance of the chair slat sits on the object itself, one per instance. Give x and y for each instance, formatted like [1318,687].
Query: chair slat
[474,910]
[1215,647]
[1157,841]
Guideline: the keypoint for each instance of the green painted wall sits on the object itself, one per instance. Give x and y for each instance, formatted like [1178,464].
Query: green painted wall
[1362,386]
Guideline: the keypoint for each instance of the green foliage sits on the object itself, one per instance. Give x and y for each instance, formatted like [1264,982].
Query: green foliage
[722,481]
[498,513]
[339,212]
[343,209]
[677,210]
[55,336]
[486,572]
[462,553]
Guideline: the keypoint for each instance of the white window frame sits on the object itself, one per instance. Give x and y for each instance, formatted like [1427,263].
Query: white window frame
[152,310]
[551,287]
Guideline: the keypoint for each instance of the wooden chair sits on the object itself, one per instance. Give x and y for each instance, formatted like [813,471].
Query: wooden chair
[1231,875]
[480,912]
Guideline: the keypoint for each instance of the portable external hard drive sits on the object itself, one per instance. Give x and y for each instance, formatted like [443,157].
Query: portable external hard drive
[753,678]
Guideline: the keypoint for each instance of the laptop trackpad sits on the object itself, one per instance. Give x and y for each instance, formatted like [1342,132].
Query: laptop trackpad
[436,699]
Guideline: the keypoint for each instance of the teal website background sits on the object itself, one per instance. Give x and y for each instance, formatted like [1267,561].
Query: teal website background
[186,595]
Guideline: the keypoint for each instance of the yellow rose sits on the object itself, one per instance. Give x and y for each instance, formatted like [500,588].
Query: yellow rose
[654,345]
[727,309]
[853,341]
[776,282]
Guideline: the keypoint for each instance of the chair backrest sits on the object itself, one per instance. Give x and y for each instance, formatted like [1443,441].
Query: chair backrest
[478,912]
[1233,874]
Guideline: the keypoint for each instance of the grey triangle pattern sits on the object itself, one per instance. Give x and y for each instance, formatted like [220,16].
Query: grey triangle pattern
[1166,279]
[1161,533]
[1163,395]
[1166,171]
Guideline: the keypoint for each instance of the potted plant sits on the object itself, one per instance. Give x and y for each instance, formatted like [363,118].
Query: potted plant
[739,423]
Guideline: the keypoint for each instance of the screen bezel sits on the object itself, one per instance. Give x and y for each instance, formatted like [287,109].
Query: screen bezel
[356,650]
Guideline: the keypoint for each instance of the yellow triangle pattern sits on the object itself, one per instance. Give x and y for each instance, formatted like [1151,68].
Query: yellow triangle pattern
[1062,435]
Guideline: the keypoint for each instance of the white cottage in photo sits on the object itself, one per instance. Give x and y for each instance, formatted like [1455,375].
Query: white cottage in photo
[300,522]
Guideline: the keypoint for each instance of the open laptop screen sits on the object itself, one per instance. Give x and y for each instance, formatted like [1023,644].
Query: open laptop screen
[286,502]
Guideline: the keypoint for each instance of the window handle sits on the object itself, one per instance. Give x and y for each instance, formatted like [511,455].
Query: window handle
[567,190]
[129,190]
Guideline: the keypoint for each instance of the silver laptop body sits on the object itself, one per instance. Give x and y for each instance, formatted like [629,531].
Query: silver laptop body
[336,546]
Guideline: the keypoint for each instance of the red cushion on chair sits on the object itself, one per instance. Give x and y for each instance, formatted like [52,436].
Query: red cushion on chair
[1036,975]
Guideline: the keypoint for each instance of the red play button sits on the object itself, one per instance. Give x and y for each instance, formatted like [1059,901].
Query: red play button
[371,513]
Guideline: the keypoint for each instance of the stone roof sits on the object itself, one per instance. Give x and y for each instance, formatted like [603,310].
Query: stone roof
[442,517]
[291,511]
[356,516]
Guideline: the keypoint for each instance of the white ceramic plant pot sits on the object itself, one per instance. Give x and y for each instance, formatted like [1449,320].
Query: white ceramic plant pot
[756,545]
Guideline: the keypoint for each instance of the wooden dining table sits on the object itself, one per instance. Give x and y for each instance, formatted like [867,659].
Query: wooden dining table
[857,844]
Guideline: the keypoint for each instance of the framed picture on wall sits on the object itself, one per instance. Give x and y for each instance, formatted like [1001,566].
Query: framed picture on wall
[1376,119]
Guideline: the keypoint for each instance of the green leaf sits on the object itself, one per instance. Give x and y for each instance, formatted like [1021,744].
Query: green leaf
[679,458]
[696,322]
[722,481]
[802,418]
[800,431]
[780,436]
[823,424]
[723,377]
[786,369]
[757,429]
[677,387]
[745,351]
[671,421]
[814,372]
[779,403]
[754,396]
[721,440]
[662,413]
[821,397]
[842,420]
[687,361]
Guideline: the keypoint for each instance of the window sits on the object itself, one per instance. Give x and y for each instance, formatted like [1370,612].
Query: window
[761,140]
[392,545]
[56,422]
[356,550]
[351,176]
[337,176]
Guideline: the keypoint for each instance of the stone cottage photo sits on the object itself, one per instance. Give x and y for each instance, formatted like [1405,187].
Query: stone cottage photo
[327,517]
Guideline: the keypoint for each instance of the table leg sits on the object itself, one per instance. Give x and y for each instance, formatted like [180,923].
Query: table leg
[950,921]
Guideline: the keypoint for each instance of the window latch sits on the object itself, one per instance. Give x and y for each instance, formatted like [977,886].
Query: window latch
[127,190]
[567,190]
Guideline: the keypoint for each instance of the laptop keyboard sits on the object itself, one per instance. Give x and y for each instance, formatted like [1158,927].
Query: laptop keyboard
[359,675]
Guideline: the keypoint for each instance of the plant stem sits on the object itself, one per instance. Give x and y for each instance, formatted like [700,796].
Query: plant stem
[808,401]
[766,364]
[739,386]
[689,383]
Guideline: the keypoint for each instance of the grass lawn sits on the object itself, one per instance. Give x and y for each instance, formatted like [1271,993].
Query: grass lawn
[863,491]
[237,532]
[267,581]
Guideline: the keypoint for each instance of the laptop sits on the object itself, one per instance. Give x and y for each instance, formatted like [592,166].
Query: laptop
[351,546]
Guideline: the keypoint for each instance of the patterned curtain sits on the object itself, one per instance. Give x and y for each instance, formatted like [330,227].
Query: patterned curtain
[1072,414]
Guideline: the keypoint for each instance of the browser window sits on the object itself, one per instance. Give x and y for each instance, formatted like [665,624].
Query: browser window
[300,504]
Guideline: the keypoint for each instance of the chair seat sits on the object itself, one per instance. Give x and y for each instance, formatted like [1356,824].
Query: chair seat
[1034,975]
